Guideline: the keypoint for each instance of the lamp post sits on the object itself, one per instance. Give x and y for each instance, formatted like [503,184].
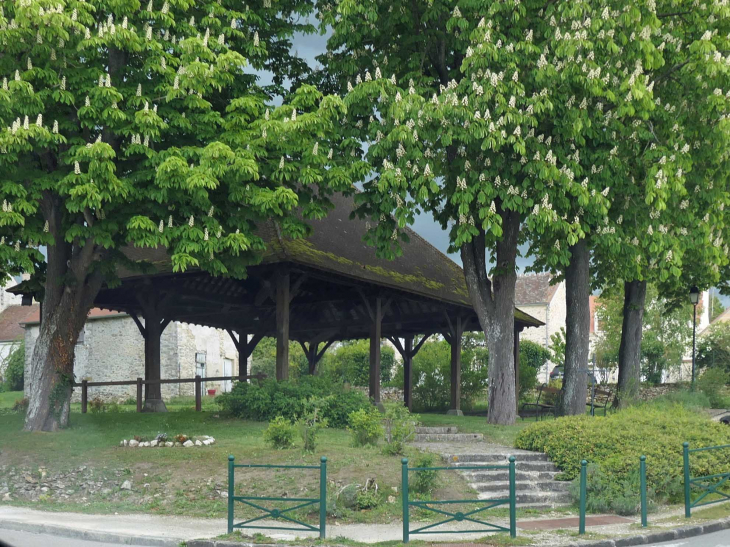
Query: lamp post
[694,297]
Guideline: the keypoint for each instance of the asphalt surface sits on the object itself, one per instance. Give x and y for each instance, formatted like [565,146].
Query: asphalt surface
[11,538]
[718,539]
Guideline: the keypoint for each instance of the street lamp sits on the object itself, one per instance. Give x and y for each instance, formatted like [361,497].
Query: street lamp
[694,297]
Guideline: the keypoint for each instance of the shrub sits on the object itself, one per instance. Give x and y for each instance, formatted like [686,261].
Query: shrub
[400,427]
[368,499]
[366,426]
[349,363]
[97,406]
[711,383]
[21,405]
[694,400]
[424,482]
[532,358]
[280,433]
[309,425]
[290,399]
[14,376]
[603,494]
[614,444]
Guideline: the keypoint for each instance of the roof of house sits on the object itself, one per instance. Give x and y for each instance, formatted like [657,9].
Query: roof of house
[11,320]
[724,317]
[34,315]
[534,289]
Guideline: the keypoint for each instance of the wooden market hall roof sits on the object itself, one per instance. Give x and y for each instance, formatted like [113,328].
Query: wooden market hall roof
[334,275]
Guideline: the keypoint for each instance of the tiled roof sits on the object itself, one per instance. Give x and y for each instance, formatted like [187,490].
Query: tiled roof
[534,289]
[11,319]
[95,313]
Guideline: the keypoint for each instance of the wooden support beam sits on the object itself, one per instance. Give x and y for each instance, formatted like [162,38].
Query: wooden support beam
[245,348]
[517,367]
[375,335]
[456,366]
[408,373]
[283,284]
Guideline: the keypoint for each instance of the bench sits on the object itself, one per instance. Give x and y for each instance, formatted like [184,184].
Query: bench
[602,398]
[538,407]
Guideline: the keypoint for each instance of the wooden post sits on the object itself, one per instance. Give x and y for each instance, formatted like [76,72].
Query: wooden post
[375,335]
[139,394]
[245,349]
[457,331]
[198,393]
[84,395]
[517,368]
[282,325]
[408,372]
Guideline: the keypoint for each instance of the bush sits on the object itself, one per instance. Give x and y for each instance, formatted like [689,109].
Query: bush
[280,433]
[14,376]
[711,383]
[605,495]
[349,363]
[97,406]
[365,426]
[21,405]
[694,400]
[400,427]
[309,426]
[532,358]
[614,444]
[290,399]
[424,482]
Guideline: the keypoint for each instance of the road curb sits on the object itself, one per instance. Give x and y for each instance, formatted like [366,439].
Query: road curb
[88,535]
[643,539]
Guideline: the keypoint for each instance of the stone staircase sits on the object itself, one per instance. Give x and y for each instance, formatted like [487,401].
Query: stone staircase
[534,477]
[445,435]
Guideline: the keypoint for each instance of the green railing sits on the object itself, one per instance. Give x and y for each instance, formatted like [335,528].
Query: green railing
[279,513]
[459,516]
[709,484]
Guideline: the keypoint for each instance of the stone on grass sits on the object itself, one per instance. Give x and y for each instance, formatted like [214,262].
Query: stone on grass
[153,443]
[391,499]
[133,443]
[7,497]
[126,485]
[188,443]
[207,442]
[168,444]
[198,443]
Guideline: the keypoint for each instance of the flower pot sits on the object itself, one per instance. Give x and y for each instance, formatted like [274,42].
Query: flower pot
[211,392]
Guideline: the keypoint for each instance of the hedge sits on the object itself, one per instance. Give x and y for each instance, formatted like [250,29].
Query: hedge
[616,442]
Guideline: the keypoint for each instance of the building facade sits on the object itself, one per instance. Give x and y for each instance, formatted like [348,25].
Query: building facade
[111,348]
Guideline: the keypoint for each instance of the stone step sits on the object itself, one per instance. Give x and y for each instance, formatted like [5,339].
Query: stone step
[498,475]
[522,486]
[519,466]
[547,498]
[436,430]
[499,458]
[448,437]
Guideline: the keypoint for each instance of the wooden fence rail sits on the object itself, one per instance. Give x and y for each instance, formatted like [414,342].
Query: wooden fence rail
[139,382]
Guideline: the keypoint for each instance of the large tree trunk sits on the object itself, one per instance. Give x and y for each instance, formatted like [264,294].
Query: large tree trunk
[629,353]
[578,323]
[69,292]
[494,303]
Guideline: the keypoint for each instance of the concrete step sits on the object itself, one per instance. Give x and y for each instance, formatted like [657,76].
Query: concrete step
[436,430]
[522,486]
[519,466]
[498,458]
[448,437]
[547,498]
[498,475]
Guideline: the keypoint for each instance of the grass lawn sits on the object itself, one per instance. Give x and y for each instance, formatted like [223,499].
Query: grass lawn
[87,459]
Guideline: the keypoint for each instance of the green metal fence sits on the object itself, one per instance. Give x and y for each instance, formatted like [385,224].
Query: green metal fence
[709,484]
[277,514]
[459,516]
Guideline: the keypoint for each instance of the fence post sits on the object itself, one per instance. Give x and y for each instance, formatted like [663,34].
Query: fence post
[84,395]
[322,497]
[512,499]
[583,481]
[139,394]
[231,482]
[404,495]
[198,393]
[687,501]
[642,471]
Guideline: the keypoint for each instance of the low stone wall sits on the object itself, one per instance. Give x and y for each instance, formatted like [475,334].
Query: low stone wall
[387,394]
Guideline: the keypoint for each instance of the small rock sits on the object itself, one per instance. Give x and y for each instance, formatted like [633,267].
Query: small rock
[145,444]
[223,494]
[153,443]
[168,444]
[391,499]
[212,440]
[188,444]
[207,442]
[106,491]
[30,479]
[126,485]
[198,443]
[177,443]
[133,443]
[122,443]
[146,485]
[7,497]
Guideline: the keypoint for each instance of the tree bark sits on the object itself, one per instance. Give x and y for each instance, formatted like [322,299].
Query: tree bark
[629,353]
[494,303]
[577,330]
[70,289]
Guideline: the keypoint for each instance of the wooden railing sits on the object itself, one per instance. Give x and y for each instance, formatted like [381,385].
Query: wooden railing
[139,382]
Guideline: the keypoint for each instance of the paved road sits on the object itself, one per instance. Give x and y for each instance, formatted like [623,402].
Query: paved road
[12,538]
[718,539]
